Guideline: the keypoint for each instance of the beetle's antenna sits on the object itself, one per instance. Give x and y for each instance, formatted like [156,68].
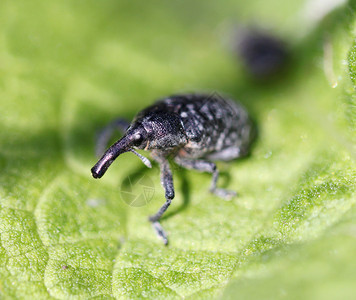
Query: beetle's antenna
[145,160]
[109,156]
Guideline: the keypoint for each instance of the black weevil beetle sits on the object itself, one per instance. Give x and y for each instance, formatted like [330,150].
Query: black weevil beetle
[193,129]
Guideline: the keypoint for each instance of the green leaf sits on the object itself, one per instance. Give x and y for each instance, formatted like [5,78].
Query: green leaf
[68,68]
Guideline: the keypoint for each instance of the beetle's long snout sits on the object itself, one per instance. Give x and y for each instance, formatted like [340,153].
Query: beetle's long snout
[109,156]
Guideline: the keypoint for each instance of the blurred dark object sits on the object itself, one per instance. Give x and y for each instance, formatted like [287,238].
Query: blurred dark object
[262,54]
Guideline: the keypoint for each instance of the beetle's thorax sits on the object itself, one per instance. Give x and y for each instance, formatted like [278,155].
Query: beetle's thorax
[163,130]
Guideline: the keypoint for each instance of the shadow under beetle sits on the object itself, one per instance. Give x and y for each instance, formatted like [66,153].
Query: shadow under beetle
[193,129]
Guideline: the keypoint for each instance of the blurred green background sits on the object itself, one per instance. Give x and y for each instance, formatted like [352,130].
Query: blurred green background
[67,68]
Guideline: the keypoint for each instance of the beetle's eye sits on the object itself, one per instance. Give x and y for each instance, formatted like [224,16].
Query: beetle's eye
[138,139]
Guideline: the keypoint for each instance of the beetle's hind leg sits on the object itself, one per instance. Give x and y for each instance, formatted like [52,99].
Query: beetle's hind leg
[210,167]
[106,133]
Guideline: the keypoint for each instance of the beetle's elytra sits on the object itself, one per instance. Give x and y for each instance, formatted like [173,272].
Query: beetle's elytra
[193,129]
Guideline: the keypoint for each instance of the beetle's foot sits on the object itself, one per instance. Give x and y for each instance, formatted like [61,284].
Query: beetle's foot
[160,231]
[224,194]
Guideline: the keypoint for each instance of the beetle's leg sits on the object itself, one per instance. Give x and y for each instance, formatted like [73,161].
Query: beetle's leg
[206,166]
[167,183]
[106,133]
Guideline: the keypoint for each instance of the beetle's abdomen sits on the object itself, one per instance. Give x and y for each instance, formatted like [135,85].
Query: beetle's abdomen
[216,128]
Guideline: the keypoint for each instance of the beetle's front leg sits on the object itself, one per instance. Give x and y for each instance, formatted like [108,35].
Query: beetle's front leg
[167,183]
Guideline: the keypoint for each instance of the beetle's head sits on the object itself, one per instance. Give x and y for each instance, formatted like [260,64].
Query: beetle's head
[158,130]
[133,138]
